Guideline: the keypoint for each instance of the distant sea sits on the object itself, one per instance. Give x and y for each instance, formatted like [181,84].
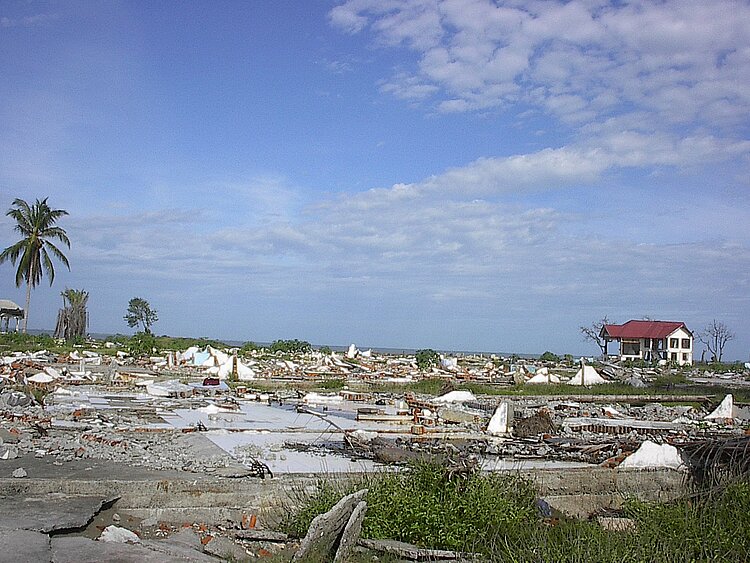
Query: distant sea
[389,351]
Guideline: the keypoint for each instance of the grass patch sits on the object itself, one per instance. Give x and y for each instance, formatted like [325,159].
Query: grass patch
[495,515]
[427,506]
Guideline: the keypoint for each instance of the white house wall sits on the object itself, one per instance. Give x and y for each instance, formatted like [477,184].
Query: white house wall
[681,354]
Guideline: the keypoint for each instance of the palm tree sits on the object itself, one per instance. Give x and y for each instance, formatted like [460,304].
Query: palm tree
[36,223]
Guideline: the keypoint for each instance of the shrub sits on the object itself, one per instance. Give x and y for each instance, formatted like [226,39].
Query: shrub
[142,344]
[549,357]
[291,346]
[427,358]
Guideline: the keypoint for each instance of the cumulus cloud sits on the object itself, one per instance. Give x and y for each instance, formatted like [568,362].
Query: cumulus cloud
[677,60]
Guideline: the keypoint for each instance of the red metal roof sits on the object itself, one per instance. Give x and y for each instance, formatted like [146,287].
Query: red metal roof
[643,329]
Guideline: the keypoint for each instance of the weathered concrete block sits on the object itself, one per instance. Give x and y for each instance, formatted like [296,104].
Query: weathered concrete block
[350,536]
[326,529]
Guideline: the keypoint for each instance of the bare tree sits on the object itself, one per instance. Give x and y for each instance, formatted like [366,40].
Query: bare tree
[594,331]
[715,336]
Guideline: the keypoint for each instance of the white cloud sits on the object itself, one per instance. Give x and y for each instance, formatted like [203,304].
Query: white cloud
[677,60]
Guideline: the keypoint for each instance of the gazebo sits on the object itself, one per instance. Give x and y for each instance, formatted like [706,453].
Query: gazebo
[8,310]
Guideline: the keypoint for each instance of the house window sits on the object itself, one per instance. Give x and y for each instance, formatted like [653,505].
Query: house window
[673,356]
[631,348]
[674,342]
[684,357]
[686,343]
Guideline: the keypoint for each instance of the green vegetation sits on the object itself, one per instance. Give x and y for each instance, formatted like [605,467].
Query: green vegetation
[495,515]
[290,346]
[248,347]
[721,367]
[427,358]
[165,342]
[325,350]
[428,506]
[142,344]
[332,384]
[549,357]
[36,224]
[17,341]
[140,313]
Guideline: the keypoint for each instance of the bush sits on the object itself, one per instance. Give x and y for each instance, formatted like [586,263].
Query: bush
[291,346]
[142,344]
[248,347]
[427,358]
[549,357]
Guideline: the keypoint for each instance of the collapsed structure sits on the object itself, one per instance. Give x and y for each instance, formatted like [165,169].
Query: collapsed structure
[228,415]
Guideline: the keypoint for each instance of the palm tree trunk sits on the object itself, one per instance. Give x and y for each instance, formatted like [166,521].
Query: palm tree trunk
[28,296]
[26,310]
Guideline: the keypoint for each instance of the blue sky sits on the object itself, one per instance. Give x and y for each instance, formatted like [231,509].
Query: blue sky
[455,174]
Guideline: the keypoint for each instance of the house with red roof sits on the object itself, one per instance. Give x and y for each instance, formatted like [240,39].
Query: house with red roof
[651,341]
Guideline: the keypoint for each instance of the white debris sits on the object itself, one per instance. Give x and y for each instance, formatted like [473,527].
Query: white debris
[40,378]
[724,412]
[169,388]
[224,371]
[352,352]
[19,473]
[52,372]
[498,425]
[364,436]
[609,411]
[318,399]
[543,376]
[587,375]
[450,364]
[635,381]
[455,397]
[118,535]
[210,409]
[651,455]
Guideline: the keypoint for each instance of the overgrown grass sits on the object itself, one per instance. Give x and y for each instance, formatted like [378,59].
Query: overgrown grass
[426,506]
[495,515]
[675,384]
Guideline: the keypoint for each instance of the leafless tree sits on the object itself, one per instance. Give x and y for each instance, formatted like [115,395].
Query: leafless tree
[715,336]
[593,333]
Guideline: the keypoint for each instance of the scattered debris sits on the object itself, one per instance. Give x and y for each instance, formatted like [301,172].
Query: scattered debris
[651,455]
[413,553]
[323,537]
[117,534]
[19,473]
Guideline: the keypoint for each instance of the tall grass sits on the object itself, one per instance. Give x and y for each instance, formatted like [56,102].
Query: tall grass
[495,515]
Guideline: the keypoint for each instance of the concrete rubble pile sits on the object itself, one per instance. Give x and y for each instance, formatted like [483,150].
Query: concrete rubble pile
[125,420]
[215,413]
